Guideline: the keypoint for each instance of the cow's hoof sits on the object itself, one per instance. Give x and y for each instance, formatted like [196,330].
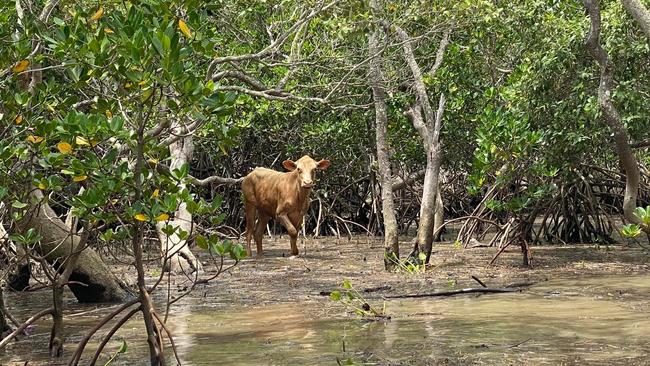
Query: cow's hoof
[295,256]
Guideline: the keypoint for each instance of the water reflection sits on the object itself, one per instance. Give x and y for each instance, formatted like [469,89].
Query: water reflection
[599,320]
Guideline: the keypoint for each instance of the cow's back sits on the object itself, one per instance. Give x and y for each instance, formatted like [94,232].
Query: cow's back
[261,189]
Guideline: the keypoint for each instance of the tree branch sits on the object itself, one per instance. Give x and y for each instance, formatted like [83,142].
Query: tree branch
[279,41]
[163,169]
[640,13]
[440,54]
[640,144]
[271,94]
[27,323]
[610,113]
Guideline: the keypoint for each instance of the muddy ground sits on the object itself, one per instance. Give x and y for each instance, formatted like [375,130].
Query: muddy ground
[324,263]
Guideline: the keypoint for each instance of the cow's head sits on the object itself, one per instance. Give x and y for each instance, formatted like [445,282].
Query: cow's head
[305,167]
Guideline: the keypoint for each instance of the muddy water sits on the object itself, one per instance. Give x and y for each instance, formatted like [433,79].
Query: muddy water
[597,320]
[559,322]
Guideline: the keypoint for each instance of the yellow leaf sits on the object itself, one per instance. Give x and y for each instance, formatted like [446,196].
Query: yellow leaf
[49,107]
[20,66]
[143,82]
[81,141]
[153,161]
[108,113]
[34,139]
[183,27]
[41,185]
[108,30]
[79,178]
[18,120]
[140,217]
[127,85]
[114,201]
[223,149]
[98,14]
[155,193]
[162,217]
[64,147]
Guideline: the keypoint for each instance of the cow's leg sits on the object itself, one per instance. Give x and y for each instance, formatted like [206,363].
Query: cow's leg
[262,220]
[250,224]
[297,223]
[293,232]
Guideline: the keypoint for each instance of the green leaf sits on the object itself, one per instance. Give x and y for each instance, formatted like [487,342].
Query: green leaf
[640,213]
[217,248]
[192,207]
[123,347]
[201,242]
[158,45]
[116,123]
[168,230]
[631,231]
[347,284]
[18,204]
[238,252]
[58,21]
[335,296]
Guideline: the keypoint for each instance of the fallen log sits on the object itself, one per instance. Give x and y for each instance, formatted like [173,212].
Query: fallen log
[462,291]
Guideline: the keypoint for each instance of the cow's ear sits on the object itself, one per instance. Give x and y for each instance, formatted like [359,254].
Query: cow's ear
[323,164]
[289,165]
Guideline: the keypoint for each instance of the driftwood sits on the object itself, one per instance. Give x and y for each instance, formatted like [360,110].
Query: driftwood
[462,291]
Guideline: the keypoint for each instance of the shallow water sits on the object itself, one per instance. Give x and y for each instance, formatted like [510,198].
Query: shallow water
[589,320]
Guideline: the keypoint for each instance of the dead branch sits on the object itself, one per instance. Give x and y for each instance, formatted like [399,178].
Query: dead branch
[482,290]
[164,169]
[110,334]
[76,356]
[22,327]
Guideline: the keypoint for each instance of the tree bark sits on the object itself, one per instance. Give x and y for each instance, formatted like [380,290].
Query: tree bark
[428,128]
[439,215]
[391,243]
[14,258]
[4,327]
[640,13]
[177,256]
[18,279]
[611,115]
[156,356]
[99,283]
[57,335]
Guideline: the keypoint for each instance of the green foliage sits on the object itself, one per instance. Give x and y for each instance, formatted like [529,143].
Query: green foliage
[510,151]
[643,215]
[215,245]
[410,265]
[108,78]
[634,230]
[353,300]
[631,230]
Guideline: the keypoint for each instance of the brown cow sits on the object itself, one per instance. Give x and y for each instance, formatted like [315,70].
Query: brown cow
[283,196]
